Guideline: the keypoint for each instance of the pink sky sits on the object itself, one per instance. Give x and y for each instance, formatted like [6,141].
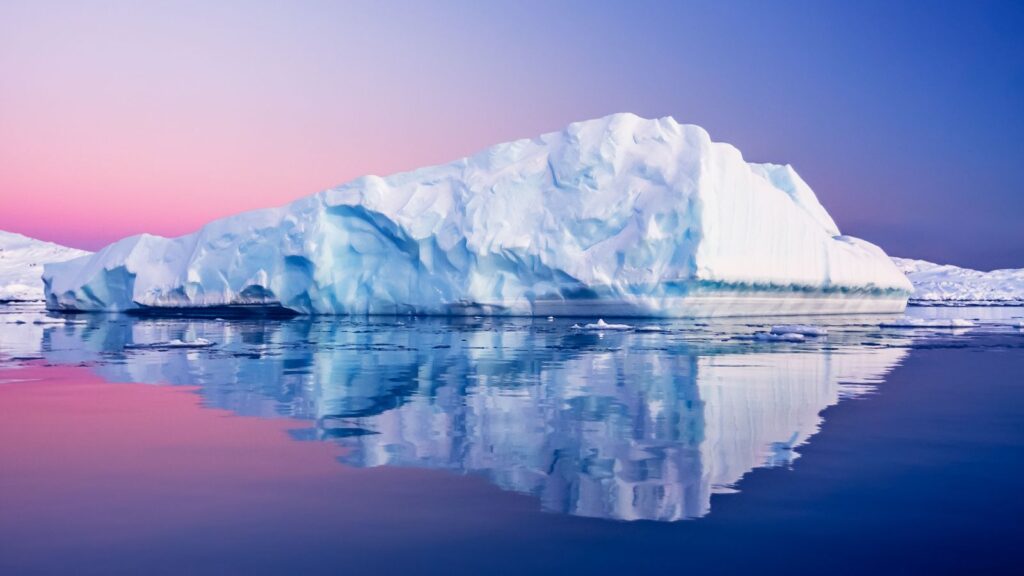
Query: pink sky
[121,117]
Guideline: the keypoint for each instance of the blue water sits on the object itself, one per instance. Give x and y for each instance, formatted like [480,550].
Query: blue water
[522,446]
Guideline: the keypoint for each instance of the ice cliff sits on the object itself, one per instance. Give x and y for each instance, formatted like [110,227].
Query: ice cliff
[615,216]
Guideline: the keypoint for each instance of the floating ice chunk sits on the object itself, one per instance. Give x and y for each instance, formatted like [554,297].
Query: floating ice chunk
[602,325]
[176,343]
[783,337]
[802,329]
[908,322]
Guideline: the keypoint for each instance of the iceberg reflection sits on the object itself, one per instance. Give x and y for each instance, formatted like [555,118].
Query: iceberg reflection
[622,425]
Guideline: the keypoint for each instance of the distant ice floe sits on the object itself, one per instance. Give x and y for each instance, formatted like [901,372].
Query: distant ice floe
[802,329]
[947,285]
[910,322]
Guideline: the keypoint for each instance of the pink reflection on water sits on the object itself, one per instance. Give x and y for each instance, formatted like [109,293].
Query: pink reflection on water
[115,475]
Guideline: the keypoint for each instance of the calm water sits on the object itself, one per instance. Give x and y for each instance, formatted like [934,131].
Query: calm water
[476,446]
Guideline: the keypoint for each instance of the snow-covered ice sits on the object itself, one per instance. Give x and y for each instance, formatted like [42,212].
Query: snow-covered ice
[943,284]
[619,216]
[21,264]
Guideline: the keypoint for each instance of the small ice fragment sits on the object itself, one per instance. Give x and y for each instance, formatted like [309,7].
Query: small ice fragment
[784,337]
[602,325]
[176,343]
[802,329]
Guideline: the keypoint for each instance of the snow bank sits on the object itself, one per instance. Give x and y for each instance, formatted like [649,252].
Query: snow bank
[21,264]
[938,284]
[619,216]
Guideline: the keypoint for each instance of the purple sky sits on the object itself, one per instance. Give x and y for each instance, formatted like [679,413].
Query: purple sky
[122,117]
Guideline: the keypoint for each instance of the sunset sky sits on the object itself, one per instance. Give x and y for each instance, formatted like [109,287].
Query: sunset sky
[124,117]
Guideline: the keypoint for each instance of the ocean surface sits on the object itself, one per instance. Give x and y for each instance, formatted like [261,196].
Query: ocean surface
[510,446]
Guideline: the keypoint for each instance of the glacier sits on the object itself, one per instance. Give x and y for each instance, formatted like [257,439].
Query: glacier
[947,285]
[21,265]
[618,216]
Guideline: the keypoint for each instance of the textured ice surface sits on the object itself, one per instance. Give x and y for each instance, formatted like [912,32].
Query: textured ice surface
[21,264]
[619,216]
[938,284]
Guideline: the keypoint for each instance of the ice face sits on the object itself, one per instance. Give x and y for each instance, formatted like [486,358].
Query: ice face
[619,216]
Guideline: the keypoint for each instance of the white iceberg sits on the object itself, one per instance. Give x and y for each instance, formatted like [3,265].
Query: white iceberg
[619,216]
[943,284]
[21,265]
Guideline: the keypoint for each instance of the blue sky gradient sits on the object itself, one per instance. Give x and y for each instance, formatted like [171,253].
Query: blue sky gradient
[905,117]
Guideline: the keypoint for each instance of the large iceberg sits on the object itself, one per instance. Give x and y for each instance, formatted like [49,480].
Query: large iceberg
[619,216]
[21,265]
[947,285]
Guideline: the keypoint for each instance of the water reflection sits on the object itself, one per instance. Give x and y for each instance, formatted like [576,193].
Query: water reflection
[619,425]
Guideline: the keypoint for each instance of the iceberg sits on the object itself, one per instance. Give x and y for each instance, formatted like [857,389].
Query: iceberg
[619,216]
[21,265]
[947,285]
